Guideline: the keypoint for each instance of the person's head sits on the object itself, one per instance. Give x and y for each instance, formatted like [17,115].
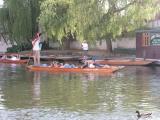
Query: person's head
[60,64]
[38,34]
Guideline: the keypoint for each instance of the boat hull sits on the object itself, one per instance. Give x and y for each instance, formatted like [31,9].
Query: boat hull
[13,61]
[53,69]
[124,62]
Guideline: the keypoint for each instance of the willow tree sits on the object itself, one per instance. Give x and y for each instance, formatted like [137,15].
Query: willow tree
[94,19]
[125,16]
[60,17]
[19,19]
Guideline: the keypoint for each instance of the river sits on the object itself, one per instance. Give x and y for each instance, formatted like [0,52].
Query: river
[26,95]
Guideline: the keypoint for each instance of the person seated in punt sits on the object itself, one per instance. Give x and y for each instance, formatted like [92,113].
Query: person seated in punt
[93,64]
[14,58]
[84,59]
[85,65]
[67,65]
[88,64]
[55,64]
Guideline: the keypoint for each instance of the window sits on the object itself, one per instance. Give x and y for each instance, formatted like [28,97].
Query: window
[145,39]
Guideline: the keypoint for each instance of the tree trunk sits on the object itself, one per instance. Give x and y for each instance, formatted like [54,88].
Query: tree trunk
[109,46]
[66,44]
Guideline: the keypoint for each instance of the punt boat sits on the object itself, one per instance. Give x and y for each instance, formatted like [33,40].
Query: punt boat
[12,58]
[58,69]
[124,62]
[13,61]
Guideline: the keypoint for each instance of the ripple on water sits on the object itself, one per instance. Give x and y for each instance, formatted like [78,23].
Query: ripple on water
[60,114]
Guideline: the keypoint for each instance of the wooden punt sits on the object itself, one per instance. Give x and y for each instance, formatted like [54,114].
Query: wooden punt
[13,61]
[53,69]
[124,62]
[7,58]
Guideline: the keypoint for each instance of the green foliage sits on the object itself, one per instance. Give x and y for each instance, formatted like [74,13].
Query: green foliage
[53,18]
[60,17]
[92,19]
[13,49]
[79,19]
[19,19]
[19,48]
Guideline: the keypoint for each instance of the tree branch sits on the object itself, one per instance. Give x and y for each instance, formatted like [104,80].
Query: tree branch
[126,6]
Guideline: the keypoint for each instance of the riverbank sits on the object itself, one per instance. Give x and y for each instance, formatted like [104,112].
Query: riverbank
[98,53]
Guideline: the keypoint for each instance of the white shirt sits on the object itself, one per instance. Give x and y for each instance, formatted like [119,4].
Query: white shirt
[36,44]
[84,46]
[91,66]
[14,58]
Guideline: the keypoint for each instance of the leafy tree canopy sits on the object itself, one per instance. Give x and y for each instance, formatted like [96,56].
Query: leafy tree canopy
[83,19]
[19,19]
[95,19]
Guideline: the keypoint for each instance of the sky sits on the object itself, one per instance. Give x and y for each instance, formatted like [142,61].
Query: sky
[1,2]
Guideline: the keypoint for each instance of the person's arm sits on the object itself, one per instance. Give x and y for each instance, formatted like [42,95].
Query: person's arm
[36,38]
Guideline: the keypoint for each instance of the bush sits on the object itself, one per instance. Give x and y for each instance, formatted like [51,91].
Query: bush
[14,48]
[18,48]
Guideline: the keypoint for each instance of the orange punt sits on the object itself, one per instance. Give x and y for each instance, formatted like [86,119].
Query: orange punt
[13,61]
[13,58]
[84,70]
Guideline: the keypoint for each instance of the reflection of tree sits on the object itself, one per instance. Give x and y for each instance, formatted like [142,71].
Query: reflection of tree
[137,92]
[36,87]
[16,89]
[69,92]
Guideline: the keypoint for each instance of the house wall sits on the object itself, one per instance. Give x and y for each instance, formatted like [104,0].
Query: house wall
[147,51]
[154,24]
[120,43]
[127,43]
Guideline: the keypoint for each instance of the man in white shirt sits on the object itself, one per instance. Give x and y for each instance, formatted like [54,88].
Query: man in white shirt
[36,49]
[85,47]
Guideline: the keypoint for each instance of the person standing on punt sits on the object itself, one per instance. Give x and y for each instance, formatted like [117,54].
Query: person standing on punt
[36,49]
[85,47]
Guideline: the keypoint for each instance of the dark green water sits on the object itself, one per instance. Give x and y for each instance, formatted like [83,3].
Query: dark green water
[26,95]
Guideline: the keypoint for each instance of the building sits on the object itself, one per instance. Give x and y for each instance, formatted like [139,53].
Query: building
[148,43]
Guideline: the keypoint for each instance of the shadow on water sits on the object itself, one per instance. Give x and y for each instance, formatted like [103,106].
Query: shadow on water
[74,96]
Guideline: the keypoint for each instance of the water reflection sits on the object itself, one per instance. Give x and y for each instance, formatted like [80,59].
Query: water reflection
[36,88]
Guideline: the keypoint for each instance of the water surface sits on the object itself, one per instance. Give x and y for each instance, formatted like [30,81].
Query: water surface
[26,95]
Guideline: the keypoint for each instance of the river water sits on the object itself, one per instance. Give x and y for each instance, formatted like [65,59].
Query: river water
[26,95]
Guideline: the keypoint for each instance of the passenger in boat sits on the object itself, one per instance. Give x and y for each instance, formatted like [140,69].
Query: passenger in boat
[67,65]
[88,64]
[36,49]
[92,65]
[73,66]
[14,58]
[55,64]
[85,65]
[84,58]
